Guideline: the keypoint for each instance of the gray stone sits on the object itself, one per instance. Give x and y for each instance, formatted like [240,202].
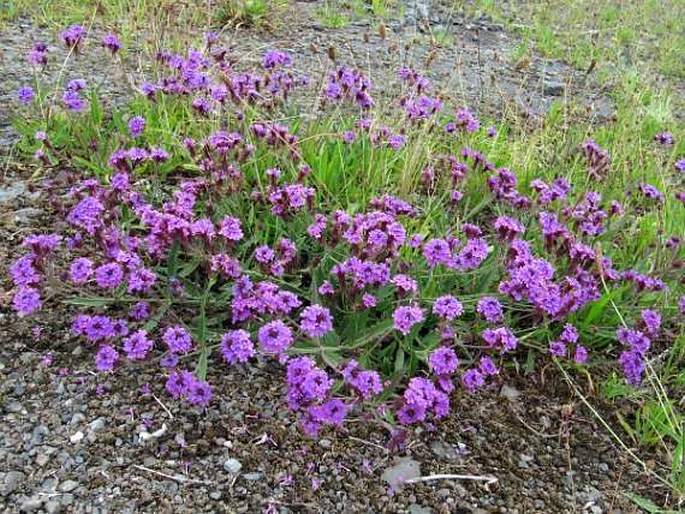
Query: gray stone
[11,192]
[53,507]
[97,424]
[27,215]
[553,88]
[403,470]
[253,476]
[77,418]
[232,466]
[31,504]
[415,508]
[12,481]
[14,406]
[68,485]
[325,443]
[510,393]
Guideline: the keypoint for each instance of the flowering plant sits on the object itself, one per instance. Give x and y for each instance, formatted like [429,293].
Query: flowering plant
[202,228]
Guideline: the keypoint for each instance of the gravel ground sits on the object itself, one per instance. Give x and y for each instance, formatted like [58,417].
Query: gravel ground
[476,68]
[74,441]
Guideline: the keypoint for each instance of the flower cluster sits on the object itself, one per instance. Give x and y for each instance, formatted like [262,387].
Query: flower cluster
[229,238]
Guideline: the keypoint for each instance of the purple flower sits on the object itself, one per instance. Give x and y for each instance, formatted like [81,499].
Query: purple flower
[141,280]
[106,358]
[569,335]
[26,94]
[404,283]
[633,364]
[137,345]
[112,43]
[487,366]
[109,276]
[177,339]
[664,139]
[580,356]
[405,318]
[26,301]
[230,229]
[634,339]
[73,101]
[490,308]
[651,192]
[681,304]
[199,392]
[332,412]
[38,56]
[651,320]
[178,383]
[369,301]
[23,271]
[679,165]
[81,270]
[275,337]
[140,311]
[275,58]
[437,251]
[558,348]
[448,307]
[443,361]
[500,338]
[326,288]
[472,380]
[73,35]
[316,321]
[136,126]
[508,228]
[236,346]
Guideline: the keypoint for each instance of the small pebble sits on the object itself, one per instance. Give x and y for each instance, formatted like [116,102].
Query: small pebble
[232,466]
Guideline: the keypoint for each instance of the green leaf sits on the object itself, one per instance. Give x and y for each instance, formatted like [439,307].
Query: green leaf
[89,301]
[201,369]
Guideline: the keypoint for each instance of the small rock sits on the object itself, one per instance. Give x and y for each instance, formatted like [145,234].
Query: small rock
[404,469]
[27,215]
[253,476]
[68,485]
[77,437]
[232,466]
[510,393]
[553,88]
[14,407]
[97,424]
[77,418]
[325,443]
[31,504]
[215,495]
[53,507]
[415,508]
[10,193]
[12,481]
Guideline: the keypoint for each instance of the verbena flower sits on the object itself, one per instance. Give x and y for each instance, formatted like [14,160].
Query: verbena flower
[443,361]
[404,318]
[490,308]
[236,346]
[26,300]
[112,43]
[316,321]
[448,307]
[137,345]
[275,337]
[136,126]
[177,339]
[73,35]
[106,358]
[26,94]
